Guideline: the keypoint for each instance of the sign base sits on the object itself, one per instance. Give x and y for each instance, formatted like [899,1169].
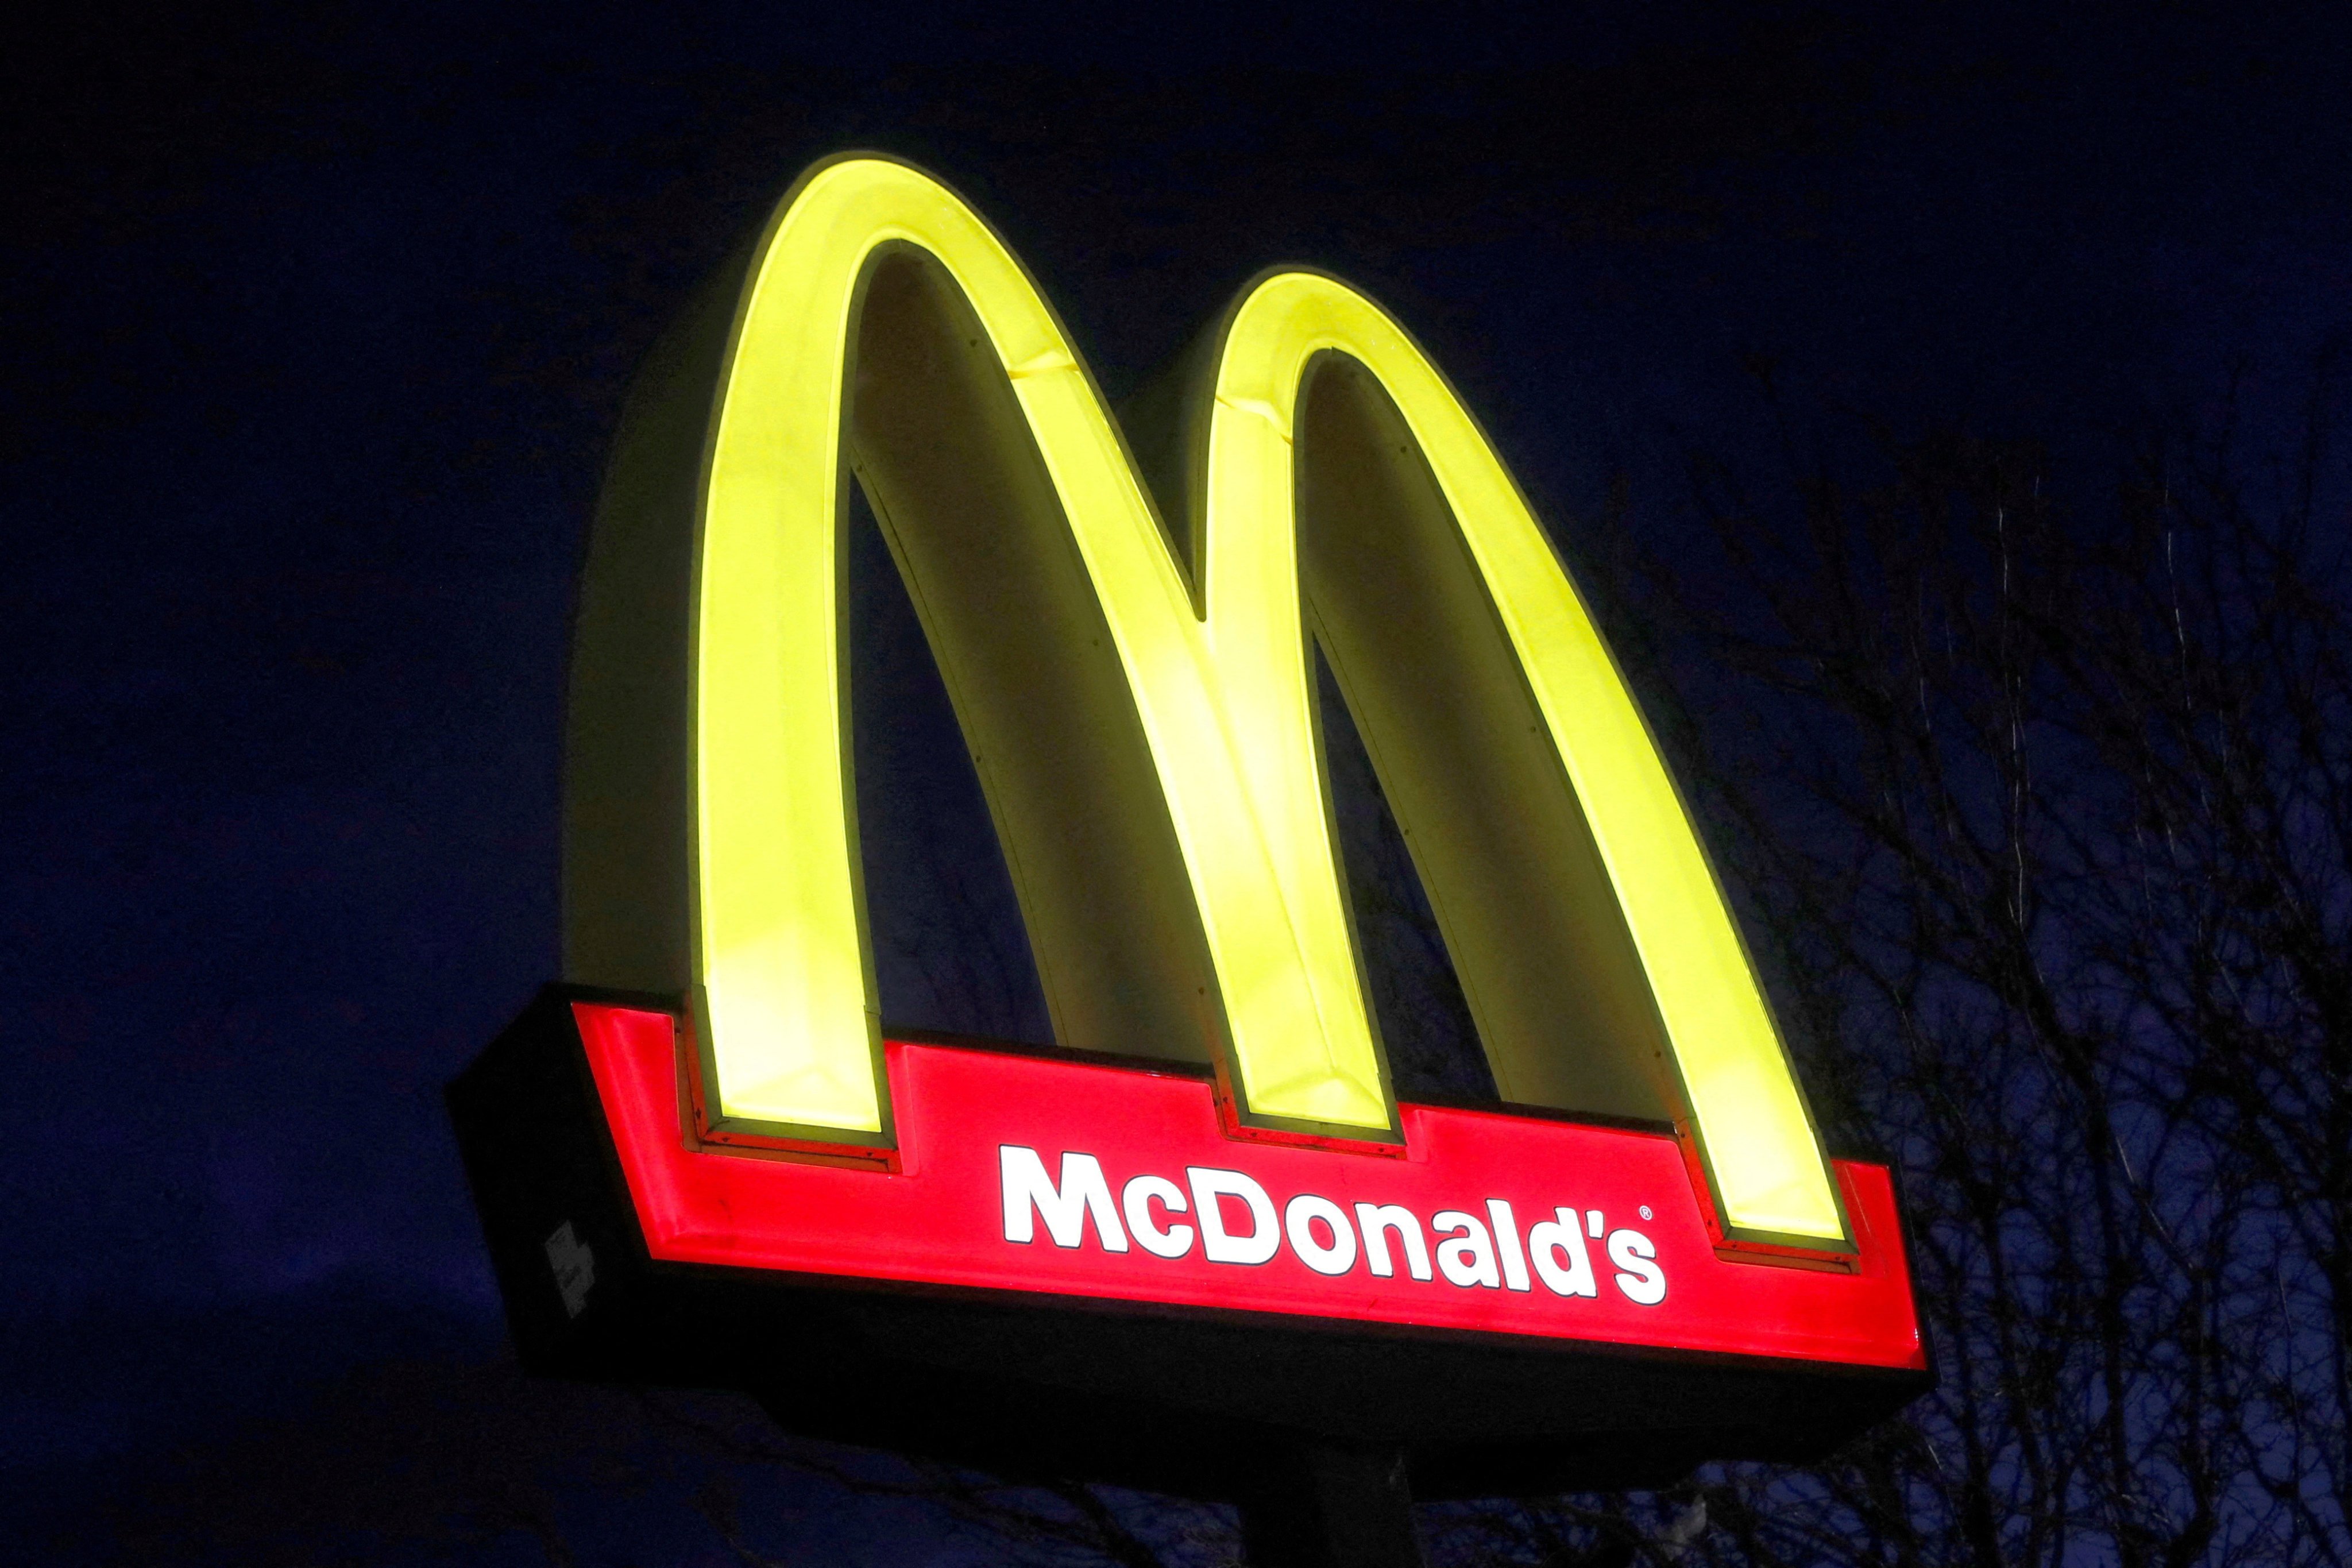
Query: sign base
[971,1307]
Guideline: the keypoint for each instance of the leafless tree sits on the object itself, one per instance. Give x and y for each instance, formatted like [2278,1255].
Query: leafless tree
[2046,818]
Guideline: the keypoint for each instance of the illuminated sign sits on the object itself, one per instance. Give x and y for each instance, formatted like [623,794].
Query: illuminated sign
[1141,715]
[688,1155]
[1097,1179]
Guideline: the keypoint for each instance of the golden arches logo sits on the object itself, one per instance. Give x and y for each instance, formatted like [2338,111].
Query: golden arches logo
[1138,704]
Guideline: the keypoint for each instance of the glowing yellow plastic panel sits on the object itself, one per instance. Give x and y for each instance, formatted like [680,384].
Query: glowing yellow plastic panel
[1221,697]
[1223,703]
[1767,1163]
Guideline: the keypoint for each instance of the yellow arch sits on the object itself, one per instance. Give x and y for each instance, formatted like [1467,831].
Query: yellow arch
[776,963]
[1766,1160]
[779,959]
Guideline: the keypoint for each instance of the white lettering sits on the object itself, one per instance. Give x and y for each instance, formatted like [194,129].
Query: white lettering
[1564,1238]
[1507,1240]
[1297,1221]
[1471,1254]
[1029,1193]
[1378,1220]
[1218,1243]
[1469,1257]
[1135,1203]
[1643,1282]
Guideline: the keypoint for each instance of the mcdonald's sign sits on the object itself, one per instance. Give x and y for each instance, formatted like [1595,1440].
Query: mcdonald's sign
[1204,1210]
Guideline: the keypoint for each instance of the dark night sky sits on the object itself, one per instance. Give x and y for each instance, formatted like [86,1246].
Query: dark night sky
[317,325]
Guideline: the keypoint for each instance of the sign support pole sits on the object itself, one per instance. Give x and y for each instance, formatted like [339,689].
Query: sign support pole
[1333,1507]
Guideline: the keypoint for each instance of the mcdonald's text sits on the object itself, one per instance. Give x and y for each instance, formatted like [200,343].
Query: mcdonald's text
[1480,1246]
[1081,1180]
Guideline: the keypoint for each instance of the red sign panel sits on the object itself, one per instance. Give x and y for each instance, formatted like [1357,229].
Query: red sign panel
[1042,1175]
